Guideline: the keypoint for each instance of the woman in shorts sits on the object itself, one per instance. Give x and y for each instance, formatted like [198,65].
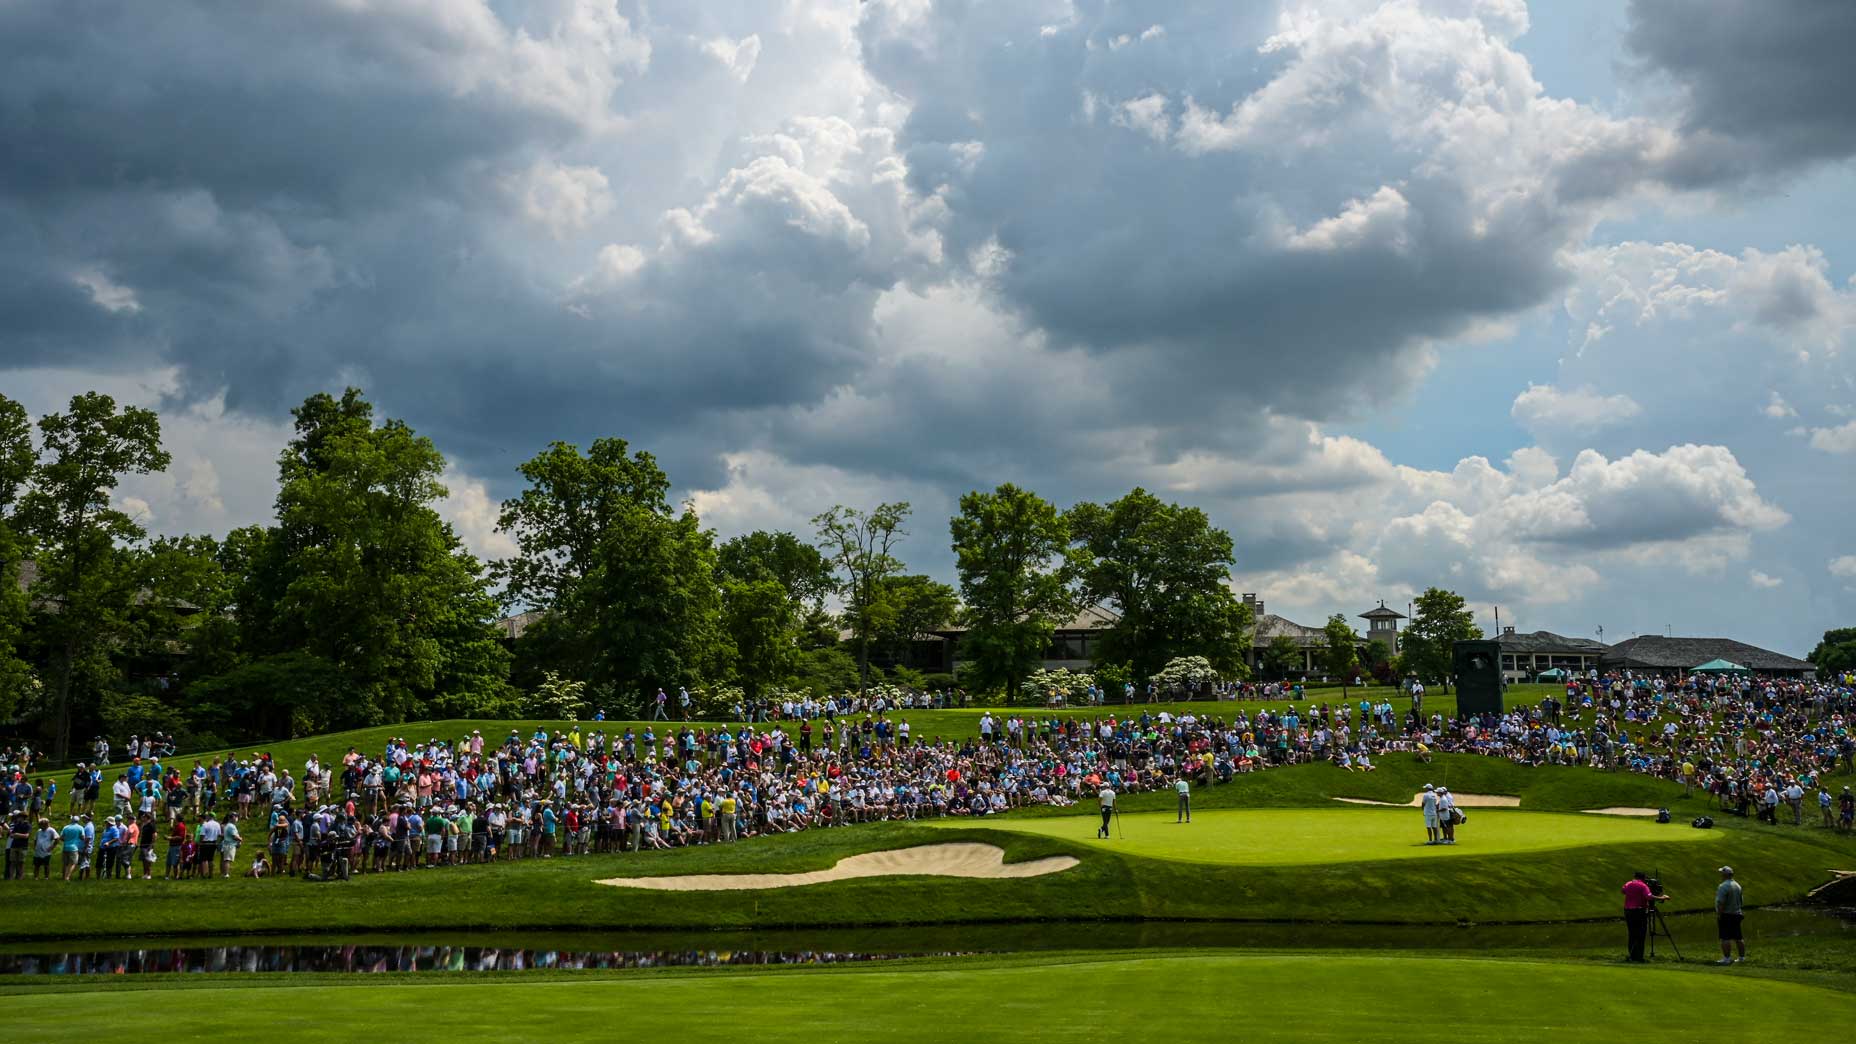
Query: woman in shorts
[280,842]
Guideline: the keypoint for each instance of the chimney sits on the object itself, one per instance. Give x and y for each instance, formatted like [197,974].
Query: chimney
[1508,631]
[1254,604]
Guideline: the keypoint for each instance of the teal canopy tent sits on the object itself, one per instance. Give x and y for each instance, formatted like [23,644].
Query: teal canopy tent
[1721,667]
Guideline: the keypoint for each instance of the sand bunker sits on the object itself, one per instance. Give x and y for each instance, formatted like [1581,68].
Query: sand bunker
[953,860]
[1462,801]
[1621,810]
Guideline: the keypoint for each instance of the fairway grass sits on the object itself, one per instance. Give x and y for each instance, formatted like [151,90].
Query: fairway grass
[1250,996]
[1289,837]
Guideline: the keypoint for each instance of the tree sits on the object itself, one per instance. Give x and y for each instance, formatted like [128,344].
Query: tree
[795,564]
[762,621]
[1341,655]
[1010,549]
[86,452]
[1439,620]
[571,505]
[905,608]
[17,458]
[1165,568]
[1281,657]
[361,573]
[1836,653]
[1378,660]
[859,546]
[626,586]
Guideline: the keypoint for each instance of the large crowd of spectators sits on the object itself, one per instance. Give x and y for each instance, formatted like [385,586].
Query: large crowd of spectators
[1761,746]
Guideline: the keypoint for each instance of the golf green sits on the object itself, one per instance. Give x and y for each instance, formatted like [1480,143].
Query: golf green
[1252,996]
[1288,836]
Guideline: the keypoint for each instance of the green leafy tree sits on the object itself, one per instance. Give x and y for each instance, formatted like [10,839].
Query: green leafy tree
[1439,620]
[1836,653]
[361,572]
[1340,653]
[860,547]
[18,682]
[795,564]
[627,587]
[1281,658]
[85,581]
[907,607]
[1010,546]
[762,621]
[1165,569]
[1378,659]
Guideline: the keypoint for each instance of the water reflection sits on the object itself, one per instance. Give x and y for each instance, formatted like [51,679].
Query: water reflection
[382,958]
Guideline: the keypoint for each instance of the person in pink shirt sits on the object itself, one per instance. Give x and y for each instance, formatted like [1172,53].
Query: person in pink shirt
[1638,895]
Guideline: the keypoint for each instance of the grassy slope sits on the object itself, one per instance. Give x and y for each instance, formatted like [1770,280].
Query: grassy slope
[924,724]
[1775,864]
[1287,997]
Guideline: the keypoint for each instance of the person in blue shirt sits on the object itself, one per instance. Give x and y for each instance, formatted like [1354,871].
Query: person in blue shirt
[71,839]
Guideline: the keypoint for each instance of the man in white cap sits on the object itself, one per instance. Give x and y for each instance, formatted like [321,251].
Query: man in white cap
[1727,913]
[1429,804]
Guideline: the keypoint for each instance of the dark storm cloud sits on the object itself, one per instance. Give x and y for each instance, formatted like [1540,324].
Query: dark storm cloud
[1767,84]
[279,200]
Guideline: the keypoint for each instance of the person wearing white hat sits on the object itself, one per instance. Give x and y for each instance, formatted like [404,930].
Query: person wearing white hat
[1727,913]
[1428,803]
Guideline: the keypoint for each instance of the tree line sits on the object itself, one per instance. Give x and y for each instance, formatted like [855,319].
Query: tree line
[358,604]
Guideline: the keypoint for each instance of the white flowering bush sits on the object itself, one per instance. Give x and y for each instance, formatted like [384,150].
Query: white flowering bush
[1187,671]
[557,698]
[1060,685]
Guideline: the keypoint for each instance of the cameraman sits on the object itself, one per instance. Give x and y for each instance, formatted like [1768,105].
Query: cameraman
[1638,897]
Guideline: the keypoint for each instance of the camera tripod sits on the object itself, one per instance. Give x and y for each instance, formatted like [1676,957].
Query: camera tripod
[1658,925]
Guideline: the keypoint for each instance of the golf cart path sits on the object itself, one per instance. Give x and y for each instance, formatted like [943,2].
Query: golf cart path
[963,859]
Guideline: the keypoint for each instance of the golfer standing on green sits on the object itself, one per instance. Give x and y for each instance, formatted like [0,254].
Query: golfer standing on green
[1184,789]
[1727,912]
[1107,797]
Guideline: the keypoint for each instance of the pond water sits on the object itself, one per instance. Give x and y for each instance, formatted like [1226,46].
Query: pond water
[537,951]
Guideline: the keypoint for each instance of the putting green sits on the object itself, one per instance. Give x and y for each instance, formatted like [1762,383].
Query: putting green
[1288,836]
[1252,996]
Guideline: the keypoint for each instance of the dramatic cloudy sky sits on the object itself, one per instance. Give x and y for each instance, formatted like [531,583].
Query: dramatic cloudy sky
[1551,304]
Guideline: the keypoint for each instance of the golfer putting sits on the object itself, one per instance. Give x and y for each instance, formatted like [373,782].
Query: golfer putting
[1184,789]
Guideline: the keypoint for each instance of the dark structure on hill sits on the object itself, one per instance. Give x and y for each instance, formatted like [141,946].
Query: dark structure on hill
[1656,653]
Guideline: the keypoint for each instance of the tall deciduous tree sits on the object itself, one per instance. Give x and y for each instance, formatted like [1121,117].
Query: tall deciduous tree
[1439,620]
[1281,658]
[362,575]
[859,546]
[627,588]
[17,458]
[1164,568]
[1340,654]
[84,582]
[779,556]
[1836,653]
[762,621]
[906,607]
[1010,546]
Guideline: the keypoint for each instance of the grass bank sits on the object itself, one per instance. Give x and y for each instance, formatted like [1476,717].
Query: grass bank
[1275,997]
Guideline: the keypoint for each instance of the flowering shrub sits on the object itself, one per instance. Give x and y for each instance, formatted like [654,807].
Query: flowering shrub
[1060,685]
[1185,671]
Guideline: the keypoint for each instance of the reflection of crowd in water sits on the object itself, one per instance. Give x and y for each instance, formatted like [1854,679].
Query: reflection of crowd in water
[366,958]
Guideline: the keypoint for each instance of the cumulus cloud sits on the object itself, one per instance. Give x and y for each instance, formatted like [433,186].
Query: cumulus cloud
[822,251]
[1840,439]
[1762,580]
[1543,406]
[1843,567]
